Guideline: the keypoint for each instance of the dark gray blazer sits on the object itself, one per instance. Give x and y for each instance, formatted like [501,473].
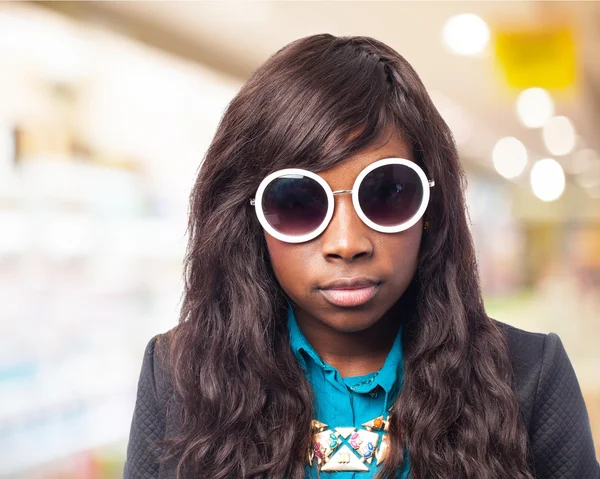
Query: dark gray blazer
[560,438]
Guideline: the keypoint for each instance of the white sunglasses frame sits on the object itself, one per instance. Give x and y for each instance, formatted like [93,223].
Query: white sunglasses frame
[257,201]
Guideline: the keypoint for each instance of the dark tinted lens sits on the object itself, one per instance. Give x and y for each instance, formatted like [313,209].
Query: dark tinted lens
[294,205]
[391,195]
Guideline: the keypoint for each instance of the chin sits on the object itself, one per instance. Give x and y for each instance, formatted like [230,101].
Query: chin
[349,326]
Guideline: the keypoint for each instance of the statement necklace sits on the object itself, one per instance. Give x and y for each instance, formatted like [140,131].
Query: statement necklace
[346,448]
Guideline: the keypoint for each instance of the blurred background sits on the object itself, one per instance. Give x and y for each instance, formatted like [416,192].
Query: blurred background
[107,108]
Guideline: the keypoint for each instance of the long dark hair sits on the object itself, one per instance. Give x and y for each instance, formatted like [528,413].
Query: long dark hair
[246,405]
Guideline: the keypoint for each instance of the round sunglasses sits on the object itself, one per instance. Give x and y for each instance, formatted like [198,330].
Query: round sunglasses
[295,205]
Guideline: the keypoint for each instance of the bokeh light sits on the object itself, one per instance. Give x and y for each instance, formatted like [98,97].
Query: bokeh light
[547,179]
[466,34]
[509,157]
[588,176]
[535,107]
[559,135]
[582,161]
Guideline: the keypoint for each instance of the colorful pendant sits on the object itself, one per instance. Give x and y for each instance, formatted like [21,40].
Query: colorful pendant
[344,460]
[376,424]
[333,454]
[365,443]
[382,450]
[345,431]
[324,443]
[318,426]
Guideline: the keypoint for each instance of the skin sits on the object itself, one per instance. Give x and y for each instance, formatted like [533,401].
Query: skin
[354,340]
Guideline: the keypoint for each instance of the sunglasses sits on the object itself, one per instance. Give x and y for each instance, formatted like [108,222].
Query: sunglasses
[389,196]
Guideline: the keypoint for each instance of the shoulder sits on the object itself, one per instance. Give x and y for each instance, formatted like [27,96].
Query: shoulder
[527,349]
[154,384]
[155,366]
[552,406]
[151,420]
[533,357]
[155,388]
[524,343]
[534,353]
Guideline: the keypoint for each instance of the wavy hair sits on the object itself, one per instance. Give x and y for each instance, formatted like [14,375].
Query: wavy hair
[246,405]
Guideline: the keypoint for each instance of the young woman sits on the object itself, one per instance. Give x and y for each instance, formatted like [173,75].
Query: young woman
[332,321]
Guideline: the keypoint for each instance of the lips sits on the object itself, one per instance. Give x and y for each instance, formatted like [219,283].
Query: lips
[349,292]
[351,283]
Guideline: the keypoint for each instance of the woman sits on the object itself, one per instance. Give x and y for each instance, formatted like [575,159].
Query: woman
[332,321]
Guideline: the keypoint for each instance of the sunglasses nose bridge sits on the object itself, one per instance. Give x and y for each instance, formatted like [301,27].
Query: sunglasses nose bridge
[346,237]
[341,192]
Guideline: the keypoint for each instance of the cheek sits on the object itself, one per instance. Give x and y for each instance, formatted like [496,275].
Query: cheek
[291,263]
[401,250]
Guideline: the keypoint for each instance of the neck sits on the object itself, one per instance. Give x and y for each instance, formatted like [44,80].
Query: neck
[351,353]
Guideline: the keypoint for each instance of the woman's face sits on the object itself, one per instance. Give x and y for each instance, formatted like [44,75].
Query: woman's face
[348,249]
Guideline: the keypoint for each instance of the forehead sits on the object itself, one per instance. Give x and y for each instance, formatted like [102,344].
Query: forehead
[342,176]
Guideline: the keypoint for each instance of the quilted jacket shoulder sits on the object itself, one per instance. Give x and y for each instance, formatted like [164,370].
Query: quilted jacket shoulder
[153,416]
[549,396]
[551,403]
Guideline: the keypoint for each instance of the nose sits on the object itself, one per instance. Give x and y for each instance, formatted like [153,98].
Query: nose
[346,238]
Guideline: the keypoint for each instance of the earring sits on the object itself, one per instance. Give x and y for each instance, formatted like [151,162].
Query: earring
[427,225]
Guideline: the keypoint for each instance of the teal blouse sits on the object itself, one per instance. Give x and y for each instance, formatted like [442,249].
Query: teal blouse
[350,401]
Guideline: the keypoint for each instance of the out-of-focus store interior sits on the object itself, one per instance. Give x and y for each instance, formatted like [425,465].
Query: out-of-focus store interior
[107,108]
